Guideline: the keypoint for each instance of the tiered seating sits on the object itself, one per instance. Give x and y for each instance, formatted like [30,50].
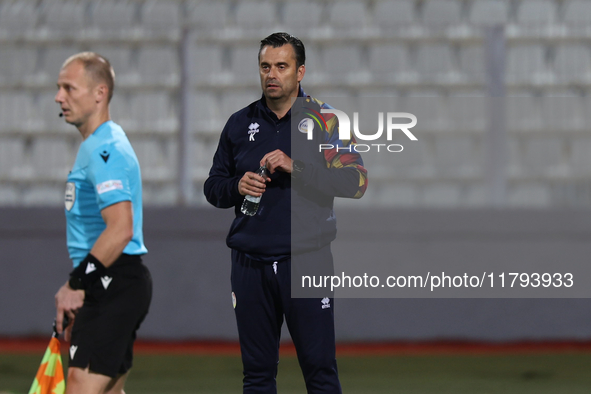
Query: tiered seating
[17,18]
[347,14]
[159,65]
[442,12]
[392,13]
[487,12]
[256,14]
[301,15]
[426,57]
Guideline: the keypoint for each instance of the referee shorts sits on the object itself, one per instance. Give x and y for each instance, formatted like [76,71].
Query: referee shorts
[105,327]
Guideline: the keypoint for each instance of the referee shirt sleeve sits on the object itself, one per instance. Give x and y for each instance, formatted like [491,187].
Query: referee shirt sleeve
[109,170]
[221,187]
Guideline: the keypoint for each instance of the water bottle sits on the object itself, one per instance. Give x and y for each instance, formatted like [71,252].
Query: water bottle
[250,205]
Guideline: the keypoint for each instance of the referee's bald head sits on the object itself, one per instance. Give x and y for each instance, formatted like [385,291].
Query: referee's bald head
[97,68]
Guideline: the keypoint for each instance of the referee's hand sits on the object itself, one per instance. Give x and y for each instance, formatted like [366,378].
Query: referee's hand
[67,301]
[251,184]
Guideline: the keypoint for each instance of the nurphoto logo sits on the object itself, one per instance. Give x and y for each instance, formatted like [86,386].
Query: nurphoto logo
[306,125]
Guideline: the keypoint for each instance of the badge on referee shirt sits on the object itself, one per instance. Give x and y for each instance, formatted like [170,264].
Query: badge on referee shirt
[70,197]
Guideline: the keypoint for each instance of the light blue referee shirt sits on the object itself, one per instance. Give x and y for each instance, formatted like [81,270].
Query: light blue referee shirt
[106,172]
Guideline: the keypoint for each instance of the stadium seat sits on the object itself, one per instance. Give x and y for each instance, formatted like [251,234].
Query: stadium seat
[52,158]
[121,112]
[468,111]
[12,156]
[457,156]
[524,113]
[302,14]
[159,65]
[64,18]
[203,150]
[256,14]
[389,60]
[543,156]
[17,64]
[577,12]
[158,17]
[208,13]
[113,19]
[17,111]
[442,12]
[472,63]
[245,69]
[526,63]
[489,12]
[563,113]
[18,18]
[429,107]
[435,62]
[536,12]
[205,115]
[580,158]
[157,157]
[341,60]
[206,64]
[53,58]
[394,13]
[155,112]
[572,63]
[347,14]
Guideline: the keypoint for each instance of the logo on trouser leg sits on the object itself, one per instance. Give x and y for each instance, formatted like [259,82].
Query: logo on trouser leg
[73,351]
[234,300]
[325,303]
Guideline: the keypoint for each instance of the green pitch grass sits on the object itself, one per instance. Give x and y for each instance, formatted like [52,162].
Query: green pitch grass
[416,374]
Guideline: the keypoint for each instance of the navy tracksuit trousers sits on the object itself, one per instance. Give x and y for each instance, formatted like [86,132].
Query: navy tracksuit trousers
[262,297]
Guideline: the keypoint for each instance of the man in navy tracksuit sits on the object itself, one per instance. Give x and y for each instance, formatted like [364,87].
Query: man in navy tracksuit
[293,225]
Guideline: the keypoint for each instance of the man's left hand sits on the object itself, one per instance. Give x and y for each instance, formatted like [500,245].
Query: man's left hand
[277,161]
[67,301]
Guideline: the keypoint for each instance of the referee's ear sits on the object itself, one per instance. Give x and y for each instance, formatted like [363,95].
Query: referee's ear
[101,93]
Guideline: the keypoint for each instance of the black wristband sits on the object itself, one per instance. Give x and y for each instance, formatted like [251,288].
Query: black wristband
[88,271]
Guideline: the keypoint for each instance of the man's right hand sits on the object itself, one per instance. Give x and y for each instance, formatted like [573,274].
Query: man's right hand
[251,184]
[67,301]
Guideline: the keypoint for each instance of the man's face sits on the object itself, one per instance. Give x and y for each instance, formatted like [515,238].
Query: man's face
[75,94]
[279,74]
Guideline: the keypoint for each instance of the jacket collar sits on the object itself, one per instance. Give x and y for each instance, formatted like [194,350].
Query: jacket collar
[262,106]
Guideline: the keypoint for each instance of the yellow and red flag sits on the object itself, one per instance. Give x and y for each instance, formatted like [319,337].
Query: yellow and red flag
[50,376]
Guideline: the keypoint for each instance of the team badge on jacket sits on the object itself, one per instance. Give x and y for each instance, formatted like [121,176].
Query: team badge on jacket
[252,130]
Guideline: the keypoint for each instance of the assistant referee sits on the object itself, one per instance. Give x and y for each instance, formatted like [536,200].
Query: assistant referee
[108,293]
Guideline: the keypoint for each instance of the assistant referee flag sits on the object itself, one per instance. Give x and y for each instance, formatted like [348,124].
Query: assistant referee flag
[50,376]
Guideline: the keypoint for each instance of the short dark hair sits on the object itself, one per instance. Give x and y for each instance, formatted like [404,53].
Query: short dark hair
[97,68]
[277,40]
